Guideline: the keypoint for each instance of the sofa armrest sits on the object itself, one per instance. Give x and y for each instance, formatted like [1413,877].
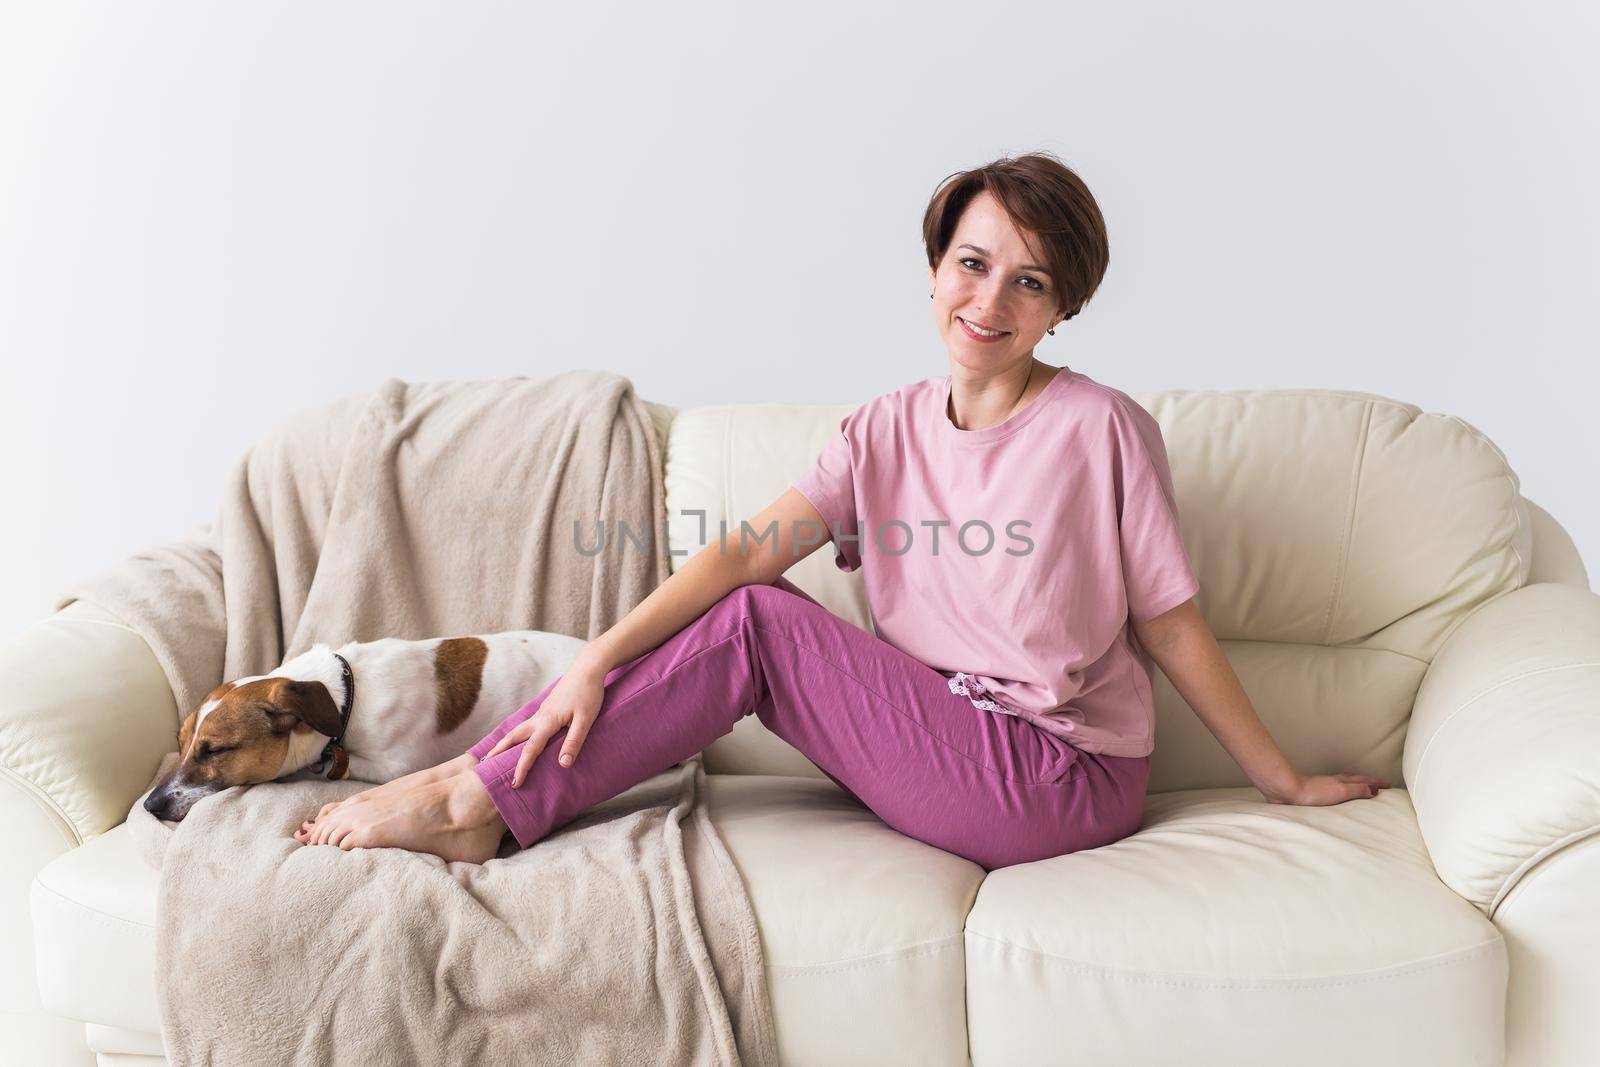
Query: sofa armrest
[85,717]
[1502,752]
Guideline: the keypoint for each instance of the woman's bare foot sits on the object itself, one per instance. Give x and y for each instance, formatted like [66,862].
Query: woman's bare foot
[448,769]
[453,819]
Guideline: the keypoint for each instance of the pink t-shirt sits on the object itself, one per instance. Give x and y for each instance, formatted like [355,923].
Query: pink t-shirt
[1031,615]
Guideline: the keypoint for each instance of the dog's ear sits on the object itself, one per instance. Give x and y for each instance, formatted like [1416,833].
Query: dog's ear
[186,733]
[307,702]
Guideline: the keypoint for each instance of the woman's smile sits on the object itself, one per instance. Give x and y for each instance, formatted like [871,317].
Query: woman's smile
[993,335]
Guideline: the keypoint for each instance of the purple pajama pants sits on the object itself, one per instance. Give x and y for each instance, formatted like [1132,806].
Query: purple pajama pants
[884,726]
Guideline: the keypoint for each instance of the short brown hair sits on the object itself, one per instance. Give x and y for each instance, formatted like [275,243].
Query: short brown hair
[1042,196]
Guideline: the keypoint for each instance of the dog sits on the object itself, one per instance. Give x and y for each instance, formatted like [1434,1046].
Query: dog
[371,711]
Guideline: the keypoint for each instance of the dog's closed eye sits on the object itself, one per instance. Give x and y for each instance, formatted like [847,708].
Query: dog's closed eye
[207,750]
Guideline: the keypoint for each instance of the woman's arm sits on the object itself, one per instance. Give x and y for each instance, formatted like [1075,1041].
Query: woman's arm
[777,541]
[1182,645]
[774,543]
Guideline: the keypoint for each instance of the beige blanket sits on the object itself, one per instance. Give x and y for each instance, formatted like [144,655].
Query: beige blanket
[427,510]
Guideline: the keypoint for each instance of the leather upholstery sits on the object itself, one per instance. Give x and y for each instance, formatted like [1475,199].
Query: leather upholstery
[86,717]
[1501,754]
[1392,605]
[1257,933]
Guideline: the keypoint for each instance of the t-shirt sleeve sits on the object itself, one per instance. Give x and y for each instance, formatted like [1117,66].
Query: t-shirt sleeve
[1155,568]
[830,486]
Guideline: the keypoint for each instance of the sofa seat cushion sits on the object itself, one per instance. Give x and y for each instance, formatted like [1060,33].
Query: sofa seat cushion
[1259,933]
[94,933]
[861,926]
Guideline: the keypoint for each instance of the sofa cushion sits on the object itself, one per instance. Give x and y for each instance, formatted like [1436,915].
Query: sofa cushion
[94,933]
[1268,933]
[725,464]
[861,926]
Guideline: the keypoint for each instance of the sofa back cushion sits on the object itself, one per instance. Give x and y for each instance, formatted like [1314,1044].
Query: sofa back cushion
[1339,538]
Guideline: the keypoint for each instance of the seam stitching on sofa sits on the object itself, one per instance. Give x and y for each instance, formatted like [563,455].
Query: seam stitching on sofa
[91,910]
[1316,644]
[1513,879]
[46,803]
[1349,522]
[1158,978]
[97,1035]
[925,948]
[87,1022]
[1427,749]
[113,623]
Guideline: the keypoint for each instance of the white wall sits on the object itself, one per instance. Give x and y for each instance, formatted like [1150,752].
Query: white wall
[211,215]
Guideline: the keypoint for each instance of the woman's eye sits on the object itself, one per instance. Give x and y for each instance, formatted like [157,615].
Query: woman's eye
[1037,285]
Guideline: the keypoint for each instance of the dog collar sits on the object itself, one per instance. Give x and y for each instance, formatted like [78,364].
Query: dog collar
[334,759]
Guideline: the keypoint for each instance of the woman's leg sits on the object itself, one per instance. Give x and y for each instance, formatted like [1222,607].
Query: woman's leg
[886,727]
[437,773]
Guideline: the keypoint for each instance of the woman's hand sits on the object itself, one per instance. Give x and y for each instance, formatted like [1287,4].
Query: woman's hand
[573,702]
[1323,789]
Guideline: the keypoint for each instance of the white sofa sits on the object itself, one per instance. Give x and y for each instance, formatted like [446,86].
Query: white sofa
[1393,606]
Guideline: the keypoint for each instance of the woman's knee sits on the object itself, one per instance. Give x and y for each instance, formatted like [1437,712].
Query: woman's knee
[773,603]
[735,599]
[754,596]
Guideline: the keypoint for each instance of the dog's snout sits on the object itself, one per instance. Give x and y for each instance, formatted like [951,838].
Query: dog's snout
[171,801]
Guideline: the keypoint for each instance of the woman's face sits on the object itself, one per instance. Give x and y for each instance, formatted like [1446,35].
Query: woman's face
[991,277]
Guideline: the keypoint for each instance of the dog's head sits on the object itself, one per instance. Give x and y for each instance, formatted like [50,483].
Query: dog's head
[244,732]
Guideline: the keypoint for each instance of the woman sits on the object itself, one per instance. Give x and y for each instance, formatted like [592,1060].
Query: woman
[1014,519]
